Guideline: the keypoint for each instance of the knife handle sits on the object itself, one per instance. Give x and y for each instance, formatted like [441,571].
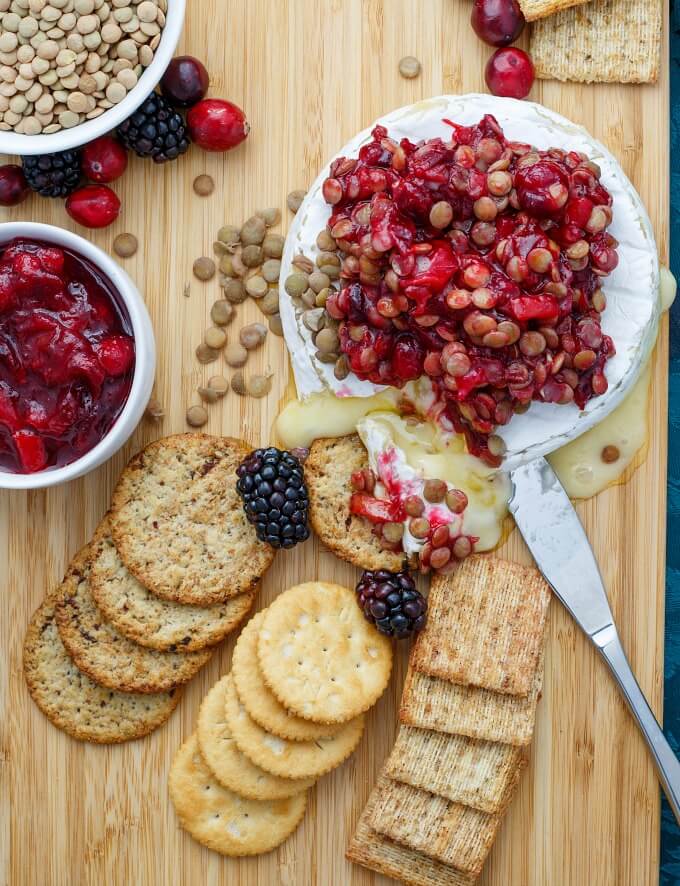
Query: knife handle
[668,768]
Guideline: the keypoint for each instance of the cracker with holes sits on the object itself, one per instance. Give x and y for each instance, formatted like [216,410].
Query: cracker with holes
[486,626]
[535,9]
[319,655]
[258,699]
[605,41]
[431,703]
[378,853]
[230,767]
[222,820]
[448,832]
[475,773]
[288,759]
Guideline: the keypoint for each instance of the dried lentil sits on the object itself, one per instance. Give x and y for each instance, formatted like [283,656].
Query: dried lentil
[256,286]
[204,268]
[252,336]
[235,355]
[222,312]
[203,185]
[409,67]
[259,385]
[294,200]
[197,416]
[125,245]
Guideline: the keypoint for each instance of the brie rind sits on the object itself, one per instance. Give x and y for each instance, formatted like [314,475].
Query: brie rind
[632,290]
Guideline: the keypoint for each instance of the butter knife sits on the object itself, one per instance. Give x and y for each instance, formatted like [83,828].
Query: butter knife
[555,536]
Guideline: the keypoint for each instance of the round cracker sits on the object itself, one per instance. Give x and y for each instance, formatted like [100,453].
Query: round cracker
[258,699]
[105,655]
[73,702]
[230,767]
[320,656]
[147,619]
[179,525]
[289,759]
[222,820]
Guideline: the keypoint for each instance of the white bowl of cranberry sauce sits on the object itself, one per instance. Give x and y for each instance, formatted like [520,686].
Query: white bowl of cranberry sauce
[77,356]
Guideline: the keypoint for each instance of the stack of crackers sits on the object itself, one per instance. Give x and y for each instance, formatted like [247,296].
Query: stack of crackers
[171,571]
[604,41]
[304,672]
[467,715]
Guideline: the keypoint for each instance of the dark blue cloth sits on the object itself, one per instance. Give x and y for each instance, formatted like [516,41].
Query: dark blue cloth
[670,833]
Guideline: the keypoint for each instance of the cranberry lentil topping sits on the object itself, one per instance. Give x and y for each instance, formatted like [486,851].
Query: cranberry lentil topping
[477,262]
[66,356]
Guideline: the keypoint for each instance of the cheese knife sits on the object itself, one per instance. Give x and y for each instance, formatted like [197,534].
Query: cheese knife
[555,536]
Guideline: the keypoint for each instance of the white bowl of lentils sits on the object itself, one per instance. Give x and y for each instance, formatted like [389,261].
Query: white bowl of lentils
[73,70]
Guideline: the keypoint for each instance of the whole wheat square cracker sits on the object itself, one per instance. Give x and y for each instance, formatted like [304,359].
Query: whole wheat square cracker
[376,852]
[448,832]
[431,703]
[475,773]
[534,9]
[486,626]
[607,41]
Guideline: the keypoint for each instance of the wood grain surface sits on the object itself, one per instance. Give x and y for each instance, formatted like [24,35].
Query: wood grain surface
[311,73]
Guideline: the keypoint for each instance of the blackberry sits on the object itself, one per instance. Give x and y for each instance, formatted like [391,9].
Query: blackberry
[275,498]
[391,602]
[53,175]
[155,130]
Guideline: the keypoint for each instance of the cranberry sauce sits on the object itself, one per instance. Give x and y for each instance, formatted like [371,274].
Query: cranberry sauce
[67,356]
[477,262]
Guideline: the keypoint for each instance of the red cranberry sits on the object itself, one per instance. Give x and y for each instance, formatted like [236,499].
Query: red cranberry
[542,189]
[185,81]
[94,206]
[13,186]
[510,73]
[116,354]
[104,160]
[497,22]
[217,125]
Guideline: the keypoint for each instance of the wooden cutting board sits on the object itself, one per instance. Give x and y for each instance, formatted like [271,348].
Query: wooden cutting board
[310,75]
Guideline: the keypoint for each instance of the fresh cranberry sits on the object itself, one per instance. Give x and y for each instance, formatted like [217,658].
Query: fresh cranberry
[217,125]
[542,189]
[116,354]
[104,160]
[94,206]
[497,22]
[185,81]
[13,185]
[510,73]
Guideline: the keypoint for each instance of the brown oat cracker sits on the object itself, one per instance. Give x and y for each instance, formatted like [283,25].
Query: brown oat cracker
[222,820]
[534,9]
[431,703]
[105,655]
[289,759]
[230,767]
[179,525]
[486,626]
[371,850]
[147,619]
[436,827]
[605,41]
[475,773]
[258,699]
[319,655]
[328,469]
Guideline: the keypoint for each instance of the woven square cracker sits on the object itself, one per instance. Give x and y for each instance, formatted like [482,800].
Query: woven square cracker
[378,853]
[440,829]
[534,9]
[486,625]
[480,774]
[430,703]
[606,41]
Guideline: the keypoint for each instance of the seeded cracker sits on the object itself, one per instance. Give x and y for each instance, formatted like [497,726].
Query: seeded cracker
[534,9]
[376,852]
[106,656]
[328,469]
[446,831]
[230,767]
[320,656]
[479,774]
[431,703]
[258,699]
[289,759]
[147,619]
[606,41]
[219,818]
[485,627]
